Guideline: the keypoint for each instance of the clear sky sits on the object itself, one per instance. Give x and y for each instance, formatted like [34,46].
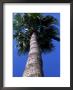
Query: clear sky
[51,61]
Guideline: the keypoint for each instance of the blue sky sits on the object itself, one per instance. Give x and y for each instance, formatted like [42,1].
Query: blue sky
[51,61]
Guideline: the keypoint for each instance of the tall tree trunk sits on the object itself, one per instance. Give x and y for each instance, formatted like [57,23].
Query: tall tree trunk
[33,65]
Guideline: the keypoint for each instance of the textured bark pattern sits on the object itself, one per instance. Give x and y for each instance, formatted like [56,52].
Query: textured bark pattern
[33,68]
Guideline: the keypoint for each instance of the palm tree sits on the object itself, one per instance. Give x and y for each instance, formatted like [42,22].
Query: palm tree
[34,33]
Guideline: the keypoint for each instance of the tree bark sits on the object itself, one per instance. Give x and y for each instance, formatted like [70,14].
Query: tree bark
[33,65]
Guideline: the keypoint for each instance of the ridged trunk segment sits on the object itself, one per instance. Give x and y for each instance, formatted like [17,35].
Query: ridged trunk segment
[33,65]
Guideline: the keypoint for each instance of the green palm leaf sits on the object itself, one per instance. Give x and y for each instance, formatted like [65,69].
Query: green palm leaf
[44,26]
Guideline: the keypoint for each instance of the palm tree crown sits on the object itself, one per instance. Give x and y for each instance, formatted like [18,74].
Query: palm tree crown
[44,27]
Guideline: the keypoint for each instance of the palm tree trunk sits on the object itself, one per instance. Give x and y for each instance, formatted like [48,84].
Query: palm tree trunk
[33,65]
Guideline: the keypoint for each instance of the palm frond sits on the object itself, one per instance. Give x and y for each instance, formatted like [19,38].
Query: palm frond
[44,27]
